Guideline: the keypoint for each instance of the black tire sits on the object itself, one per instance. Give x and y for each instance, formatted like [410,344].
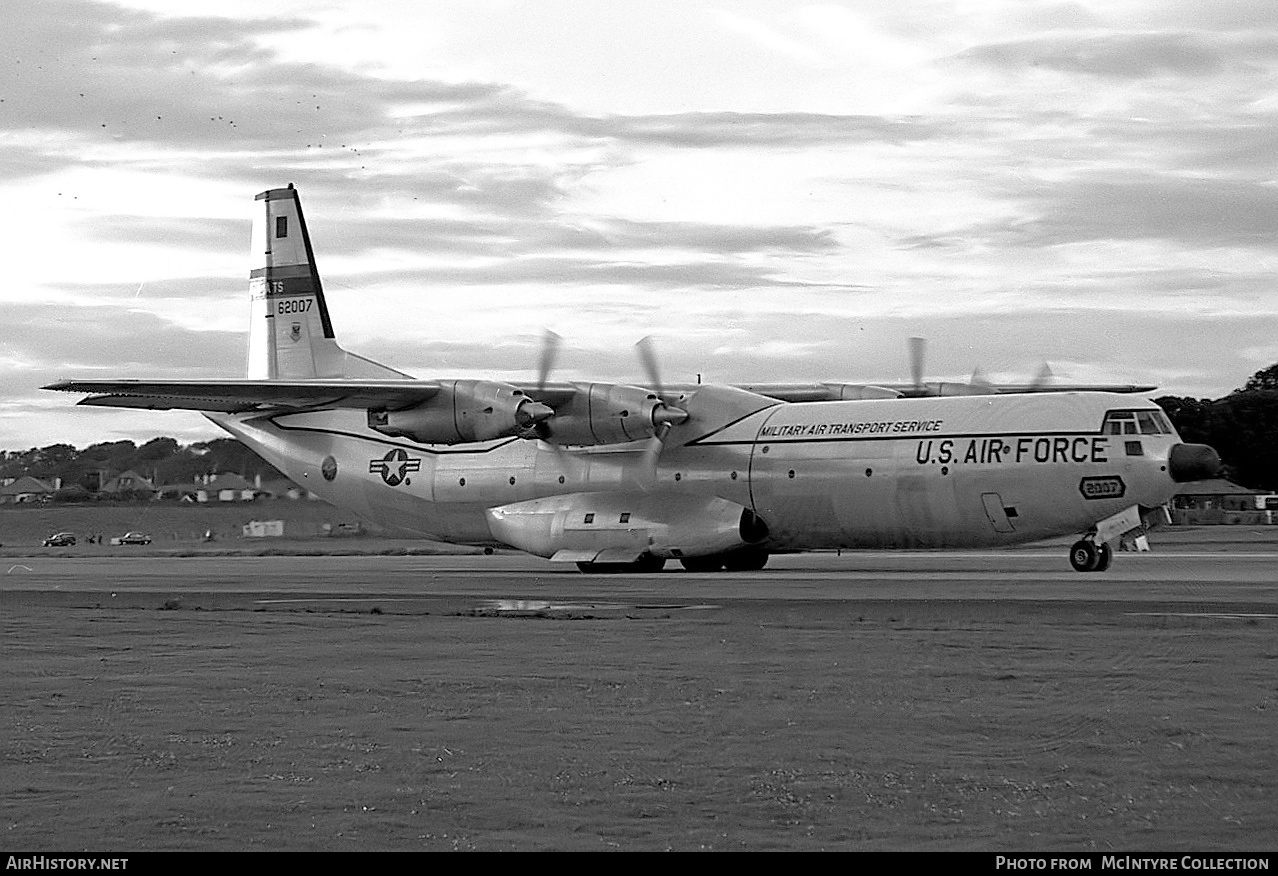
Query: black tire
[745,561]
[1084,556]
[702,564]
[650,563]
[1106,557]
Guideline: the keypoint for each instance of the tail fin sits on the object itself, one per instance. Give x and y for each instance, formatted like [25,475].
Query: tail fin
[290,333]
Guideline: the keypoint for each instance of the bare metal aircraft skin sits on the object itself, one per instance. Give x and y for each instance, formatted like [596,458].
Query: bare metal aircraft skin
[624,477]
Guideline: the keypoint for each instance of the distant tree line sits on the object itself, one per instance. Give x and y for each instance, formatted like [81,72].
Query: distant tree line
[162,460]
[1242,426]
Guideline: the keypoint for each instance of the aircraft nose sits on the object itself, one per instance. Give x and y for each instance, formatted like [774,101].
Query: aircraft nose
[1192,462]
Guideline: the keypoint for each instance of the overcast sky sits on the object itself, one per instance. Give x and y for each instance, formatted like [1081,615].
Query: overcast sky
[776,191]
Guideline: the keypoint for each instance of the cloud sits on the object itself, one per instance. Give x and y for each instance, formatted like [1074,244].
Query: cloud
[1127,55]
[1190,210]
[1052,186]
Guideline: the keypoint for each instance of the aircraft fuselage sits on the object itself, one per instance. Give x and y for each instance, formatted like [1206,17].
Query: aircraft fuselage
[929,472]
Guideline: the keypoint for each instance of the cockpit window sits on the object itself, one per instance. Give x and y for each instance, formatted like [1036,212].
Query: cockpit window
[1144,422]
[1120,423]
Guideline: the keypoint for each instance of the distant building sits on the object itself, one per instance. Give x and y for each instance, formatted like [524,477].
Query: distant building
[178,492]
[263,529]
[1220,501]
[128,482]
[25,489]
[225,487]
[284,489]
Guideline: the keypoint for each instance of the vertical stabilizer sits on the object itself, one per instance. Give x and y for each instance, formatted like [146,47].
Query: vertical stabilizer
[290,334]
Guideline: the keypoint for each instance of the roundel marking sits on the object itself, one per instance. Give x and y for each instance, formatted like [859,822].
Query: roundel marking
[394,467]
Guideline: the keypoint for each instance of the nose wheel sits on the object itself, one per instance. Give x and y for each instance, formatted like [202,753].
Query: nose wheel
[1088,556]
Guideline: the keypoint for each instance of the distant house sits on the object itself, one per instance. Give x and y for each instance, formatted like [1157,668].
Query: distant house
[225,487]
[128,482]
[179,492]
[25,489]
[284,489]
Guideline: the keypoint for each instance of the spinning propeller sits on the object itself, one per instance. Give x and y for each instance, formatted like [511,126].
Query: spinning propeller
[535,415]
[664,417]
[979,384]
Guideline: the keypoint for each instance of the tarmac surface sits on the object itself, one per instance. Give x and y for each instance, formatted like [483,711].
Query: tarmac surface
[1170,580]
[992,701]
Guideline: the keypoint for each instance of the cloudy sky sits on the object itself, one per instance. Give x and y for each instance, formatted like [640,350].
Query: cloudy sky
[776,191]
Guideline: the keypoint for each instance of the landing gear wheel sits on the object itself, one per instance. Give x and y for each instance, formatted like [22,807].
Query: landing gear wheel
[650,563]
[745,561]
[702,564]
[1085,556]
[1106,557]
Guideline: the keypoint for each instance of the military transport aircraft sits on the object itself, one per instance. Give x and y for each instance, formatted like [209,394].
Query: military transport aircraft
[619,477]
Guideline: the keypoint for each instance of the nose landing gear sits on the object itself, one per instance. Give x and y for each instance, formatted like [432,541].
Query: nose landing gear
[1088,556]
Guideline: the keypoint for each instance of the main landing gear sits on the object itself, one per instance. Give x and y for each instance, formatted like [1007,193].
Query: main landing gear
[1088,556]
[646,563]
[744,560]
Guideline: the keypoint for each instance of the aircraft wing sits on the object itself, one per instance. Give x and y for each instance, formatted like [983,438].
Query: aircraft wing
[238,396]
[245,395]
[807,392]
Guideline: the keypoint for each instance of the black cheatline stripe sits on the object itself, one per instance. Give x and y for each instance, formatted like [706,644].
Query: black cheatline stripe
[928,435]
[382,441]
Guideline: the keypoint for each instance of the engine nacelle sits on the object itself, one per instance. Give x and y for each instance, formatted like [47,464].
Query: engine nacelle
[606,413]
[620,527]
[463,411]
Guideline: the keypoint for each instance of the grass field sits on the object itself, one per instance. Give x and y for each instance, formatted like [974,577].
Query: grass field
[760,723]
[309,527]
[181,527]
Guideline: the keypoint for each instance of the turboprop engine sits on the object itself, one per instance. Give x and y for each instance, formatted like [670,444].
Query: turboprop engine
[610,413]
[464,411]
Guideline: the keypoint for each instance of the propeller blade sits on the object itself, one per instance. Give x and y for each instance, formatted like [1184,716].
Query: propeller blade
[1043,379]
[664,417]
[549,352]
[980,381]
[648,358]
[918,346]
[652,455]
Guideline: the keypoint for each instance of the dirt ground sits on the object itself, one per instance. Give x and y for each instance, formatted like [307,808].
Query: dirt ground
[707,721]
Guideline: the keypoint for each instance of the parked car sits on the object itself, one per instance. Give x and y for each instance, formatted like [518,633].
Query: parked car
[60,539]
[131,538]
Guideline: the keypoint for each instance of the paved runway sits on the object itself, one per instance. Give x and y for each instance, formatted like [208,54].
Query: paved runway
[1171,581]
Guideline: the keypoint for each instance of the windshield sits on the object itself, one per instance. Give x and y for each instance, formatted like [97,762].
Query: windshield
[1145,421]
